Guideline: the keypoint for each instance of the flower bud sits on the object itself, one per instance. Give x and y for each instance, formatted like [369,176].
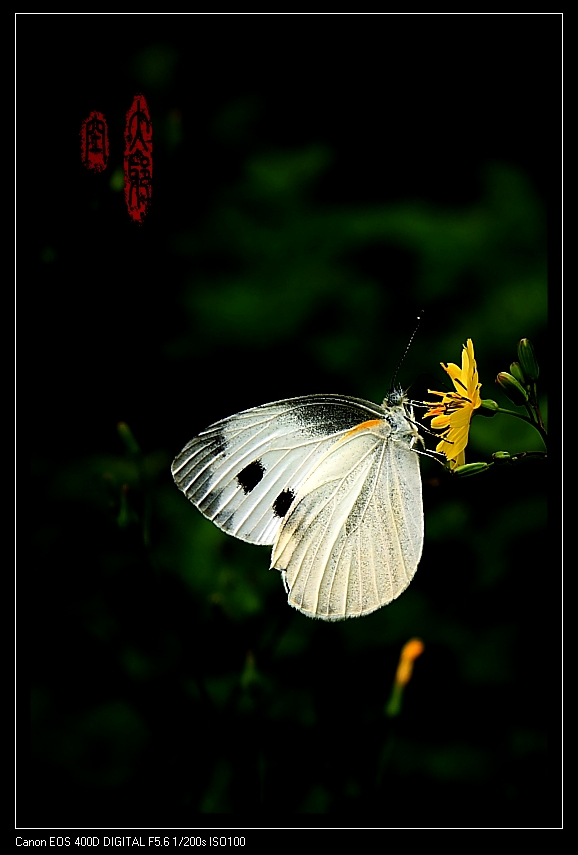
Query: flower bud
[411,650]
[127,437]
[487,408]
[528,362]
[409,654]
[516,371]
[501,456]
[470,469]
[515,392]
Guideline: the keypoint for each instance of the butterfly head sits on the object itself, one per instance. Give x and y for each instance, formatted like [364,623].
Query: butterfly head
[396,397]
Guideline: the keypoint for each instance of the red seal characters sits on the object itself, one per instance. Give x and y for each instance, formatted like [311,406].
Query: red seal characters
[94,147]
[138,159]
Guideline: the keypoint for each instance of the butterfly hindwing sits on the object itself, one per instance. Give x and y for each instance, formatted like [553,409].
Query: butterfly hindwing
[244,472]
[353,537]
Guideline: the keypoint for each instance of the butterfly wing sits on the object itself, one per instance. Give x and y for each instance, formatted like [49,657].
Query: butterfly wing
[244,472]
[353,537]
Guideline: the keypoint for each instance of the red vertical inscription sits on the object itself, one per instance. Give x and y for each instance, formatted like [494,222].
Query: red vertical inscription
[94,142]
[138,159]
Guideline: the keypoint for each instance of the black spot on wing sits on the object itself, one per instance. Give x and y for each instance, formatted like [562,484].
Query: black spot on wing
[250,476]
[283,502]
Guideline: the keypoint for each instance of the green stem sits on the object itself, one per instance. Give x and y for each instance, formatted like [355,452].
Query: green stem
[535,404]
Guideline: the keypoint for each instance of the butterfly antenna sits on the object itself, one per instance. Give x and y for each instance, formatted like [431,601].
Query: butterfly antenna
[419,317]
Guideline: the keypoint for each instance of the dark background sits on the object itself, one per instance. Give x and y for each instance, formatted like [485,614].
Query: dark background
[318,180]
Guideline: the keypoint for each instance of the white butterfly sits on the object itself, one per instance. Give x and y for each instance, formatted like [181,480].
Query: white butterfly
[331,482]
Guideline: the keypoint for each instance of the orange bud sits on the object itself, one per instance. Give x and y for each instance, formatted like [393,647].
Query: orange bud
[411,650]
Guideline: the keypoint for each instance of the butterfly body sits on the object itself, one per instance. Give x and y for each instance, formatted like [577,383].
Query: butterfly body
[331,482]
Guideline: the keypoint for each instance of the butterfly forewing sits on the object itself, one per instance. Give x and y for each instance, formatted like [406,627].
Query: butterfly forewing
[244,472]
[353,537]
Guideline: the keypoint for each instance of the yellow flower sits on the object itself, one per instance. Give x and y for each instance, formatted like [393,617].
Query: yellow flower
[452,415]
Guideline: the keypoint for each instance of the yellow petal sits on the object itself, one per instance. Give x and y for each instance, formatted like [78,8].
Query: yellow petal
[440,422]
[459,461]
[452,369]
